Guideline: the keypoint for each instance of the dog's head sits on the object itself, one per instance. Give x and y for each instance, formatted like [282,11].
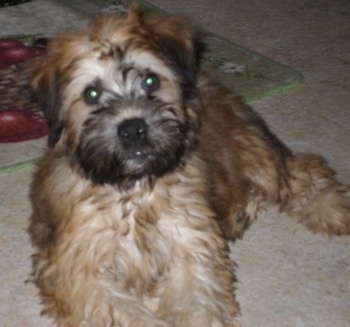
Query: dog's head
[120,98]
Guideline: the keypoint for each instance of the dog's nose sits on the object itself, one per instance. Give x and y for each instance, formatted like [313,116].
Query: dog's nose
[132,130]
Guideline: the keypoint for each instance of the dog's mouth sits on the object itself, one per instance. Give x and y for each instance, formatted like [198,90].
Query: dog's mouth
[141,154]
[138,159]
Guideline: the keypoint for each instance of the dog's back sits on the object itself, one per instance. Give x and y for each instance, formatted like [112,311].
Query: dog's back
[251,168]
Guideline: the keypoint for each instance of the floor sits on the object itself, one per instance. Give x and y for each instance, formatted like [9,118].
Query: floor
[287,276]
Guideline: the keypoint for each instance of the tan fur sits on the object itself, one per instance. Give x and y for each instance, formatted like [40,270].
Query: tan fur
[163,239]
[153,252]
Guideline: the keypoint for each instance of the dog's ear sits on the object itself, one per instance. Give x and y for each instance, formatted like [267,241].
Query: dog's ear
[181,45]
[45,85]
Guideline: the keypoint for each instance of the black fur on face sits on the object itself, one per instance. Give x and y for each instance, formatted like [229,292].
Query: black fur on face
[120,152]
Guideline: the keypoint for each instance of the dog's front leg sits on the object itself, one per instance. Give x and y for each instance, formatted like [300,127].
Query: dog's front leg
[198,290]
[79,300]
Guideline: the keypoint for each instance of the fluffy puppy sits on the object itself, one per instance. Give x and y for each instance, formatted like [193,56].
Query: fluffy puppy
[152,168]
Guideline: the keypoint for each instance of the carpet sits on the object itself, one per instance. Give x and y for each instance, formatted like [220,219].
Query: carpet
[252,75]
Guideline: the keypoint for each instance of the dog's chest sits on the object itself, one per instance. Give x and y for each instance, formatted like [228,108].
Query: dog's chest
[134,249]
[134,238]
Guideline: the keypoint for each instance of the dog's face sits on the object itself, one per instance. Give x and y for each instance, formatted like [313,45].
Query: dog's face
[120,98]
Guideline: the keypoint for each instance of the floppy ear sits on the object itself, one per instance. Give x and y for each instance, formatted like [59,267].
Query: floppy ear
[46,88]
[182,47]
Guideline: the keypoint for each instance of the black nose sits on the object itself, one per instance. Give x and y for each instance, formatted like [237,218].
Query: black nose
[132,130]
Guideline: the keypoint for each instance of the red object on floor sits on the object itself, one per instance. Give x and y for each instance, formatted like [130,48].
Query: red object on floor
[18,125]
[13,52]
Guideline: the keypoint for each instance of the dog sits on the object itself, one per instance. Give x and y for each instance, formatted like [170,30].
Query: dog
[152,168]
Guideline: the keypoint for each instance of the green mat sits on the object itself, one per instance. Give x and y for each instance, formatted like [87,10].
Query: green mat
[250,74]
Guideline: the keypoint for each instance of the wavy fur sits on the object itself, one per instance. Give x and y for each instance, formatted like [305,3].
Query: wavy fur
[143,186]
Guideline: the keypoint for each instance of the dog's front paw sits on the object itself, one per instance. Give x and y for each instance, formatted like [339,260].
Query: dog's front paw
[140,318]
[203,318]
[136,322]
[148,323]
[129,322]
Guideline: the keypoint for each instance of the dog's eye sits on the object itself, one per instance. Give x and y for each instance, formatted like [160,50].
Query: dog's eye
[150,83]
[92,94]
